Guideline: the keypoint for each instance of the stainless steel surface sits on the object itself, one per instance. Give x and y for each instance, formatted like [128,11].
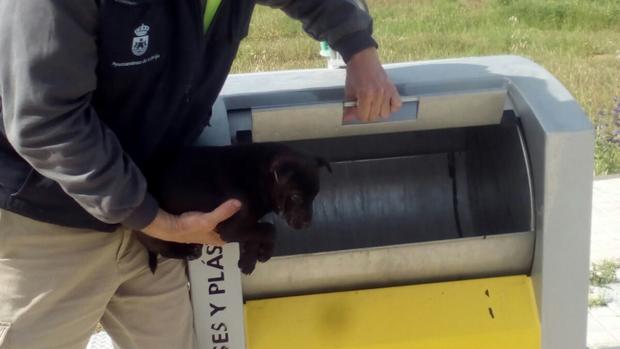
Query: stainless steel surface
[453,259]
[408,112]
[404,99]
[377,202]
[392,190]
[493,182]
[530,180]
[324,120]
[428,214]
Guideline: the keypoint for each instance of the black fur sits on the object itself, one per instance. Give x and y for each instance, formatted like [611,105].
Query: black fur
[266,177]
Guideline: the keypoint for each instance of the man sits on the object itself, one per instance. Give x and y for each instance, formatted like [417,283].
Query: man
[91,92]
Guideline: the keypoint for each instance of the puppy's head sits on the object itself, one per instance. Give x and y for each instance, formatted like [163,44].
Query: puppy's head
[295,185]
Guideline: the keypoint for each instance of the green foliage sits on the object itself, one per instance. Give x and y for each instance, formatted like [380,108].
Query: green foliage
[598,300]
[603,273]
[607,146]
[606,157]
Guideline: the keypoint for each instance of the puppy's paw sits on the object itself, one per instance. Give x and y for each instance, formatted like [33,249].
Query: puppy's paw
[265,235]
[195,251]
[248,256]
[265,251]
[182,251]
[247,266]
[152,261]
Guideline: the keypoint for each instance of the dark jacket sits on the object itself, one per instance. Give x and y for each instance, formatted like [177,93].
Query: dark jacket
[93,90]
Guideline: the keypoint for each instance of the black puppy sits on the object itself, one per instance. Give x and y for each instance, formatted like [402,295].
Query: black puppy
[265,177]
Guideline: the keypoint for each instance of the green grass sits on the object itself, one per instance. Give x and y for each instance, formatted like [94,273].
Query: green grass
[598,300]
[601,275]
[577,40]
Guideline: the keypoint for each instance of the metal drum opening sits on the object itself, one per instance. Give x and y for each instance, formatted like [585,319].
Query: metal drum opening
[412,187]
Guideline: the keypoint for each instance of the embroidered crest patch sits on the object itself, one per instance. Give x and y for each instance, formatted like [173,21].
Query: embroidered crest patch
[140,42]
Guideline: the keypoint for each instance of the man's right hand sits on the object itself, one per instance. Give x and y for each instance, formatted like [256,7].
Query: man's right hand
[192,227]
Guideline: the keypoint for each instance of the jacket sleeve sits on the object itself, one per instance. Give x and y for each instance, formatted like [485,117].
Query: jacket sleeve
[342,23]
[47,76]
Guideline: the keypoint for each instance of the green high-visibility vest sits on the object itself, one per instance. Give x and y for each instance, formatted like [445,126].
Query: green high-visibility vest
[210,10]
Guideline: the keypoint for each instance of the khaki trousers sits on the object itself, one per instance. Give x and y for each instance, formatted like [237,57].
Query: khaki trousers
[56,283]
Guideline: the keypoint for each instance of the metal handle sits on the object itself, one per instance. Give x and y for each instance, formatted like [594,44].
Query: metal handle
[407,99]
[408,112]
[324,120]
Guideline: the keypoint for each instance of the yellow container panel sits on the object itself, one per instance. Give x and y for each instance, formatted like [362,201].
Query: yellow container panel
[493,313]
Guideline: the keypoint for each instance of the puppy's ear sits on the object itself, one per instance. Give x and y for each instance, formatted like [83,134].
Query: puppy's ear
[280,168]
[321,162]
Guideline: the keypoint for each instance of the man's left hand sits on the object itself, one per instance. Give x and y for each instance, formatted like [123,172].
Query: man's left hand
[369,85]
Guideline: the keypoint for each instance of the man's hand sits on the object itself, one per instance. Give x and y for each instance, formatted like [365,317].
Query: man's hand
[192,227]
[368,83]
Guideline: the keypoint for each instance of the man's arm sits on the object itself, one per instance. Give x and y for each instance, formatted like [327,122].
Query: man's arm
[47,76]
[348,29]
[342,23]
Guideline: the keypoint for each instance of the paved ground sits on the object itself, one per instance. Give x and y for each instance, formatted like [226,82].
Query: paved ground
[603,322]
[606,219]
[100,340]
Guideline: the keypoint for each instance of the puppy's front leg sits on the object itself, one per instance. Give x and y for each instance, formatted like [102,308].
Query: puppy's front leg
[258,247]
[248,256]
[266,234]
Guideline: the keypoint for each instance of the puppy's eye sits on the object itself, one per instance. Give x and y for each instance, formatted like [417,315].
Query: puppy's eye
[297,199]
